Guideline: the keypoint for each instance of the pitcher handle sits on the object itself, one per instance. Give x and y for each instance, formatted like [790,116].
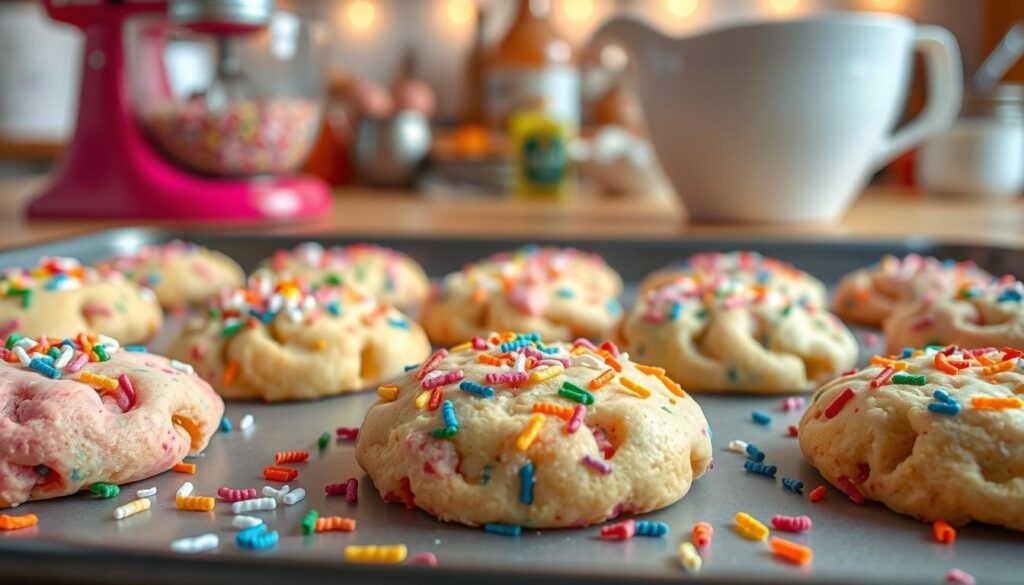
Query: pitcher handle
[945,90]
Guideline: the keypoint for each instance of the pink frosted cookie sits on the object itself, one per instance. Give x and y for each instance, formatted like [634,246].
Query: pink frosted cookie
[67,422]
[180,273]
[561,293]
[869,295]
[61,297]
[389,275]
[512,430]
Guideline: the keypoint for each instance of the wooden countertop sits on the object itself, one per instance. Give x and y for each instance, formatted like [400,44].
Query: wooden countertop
[879,213]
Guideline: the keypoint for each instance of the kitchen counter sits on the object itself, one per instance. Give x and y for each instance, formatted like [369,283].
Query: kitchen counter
[881,212]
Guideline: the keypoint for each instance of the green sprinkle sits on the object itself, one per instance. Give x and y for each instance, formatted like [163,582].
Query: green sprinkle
[12,339]
[444,432]
[323,440]
[333,279]
[105,490]
[909,380]
[25,294]
[213,313]
[575,393]
[485,475]
[101,353]
[309,522]
[54,353]
[229,331]
[665,408]
[787,310]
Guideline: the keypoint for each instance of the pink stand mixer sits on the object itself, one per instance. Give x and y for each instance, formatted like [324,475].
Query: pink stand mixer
[219,142]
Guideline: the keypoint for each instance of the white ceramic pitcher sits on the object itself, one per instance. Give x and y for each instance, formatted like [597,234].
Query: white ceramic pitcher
[784,121]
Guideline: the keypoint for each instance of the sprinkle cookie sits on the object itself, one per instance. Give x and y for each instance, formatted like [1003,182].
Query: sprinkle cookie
[180,273]
[730,336]
[938,435]
[869,295]
[507,431]
[391,276]
[83,412]
[748,268]
[277,340]
[561,293]
[61,297]
[982,316]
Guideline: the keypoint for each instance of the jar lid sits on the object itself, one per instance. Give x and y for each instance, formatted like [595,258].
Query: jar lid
[1005,100]
[211,14]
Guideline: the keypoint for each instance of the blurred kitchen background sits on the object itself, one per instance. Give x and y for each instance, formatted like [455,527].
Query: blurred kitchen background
[432,57]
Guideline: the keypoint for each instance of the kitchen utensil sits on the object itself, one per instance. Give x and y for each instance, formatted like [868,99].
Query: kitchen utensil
[999,61]
[390,151]
[783,121]
[215,139]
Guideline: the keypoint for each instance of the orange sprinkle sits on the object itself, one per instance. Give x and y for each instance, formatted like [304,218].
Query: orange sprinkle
[290,457]
[671,384]
[791,551]
[195,503]
[529,434]
[943,365]
[388,392]
[818,493]
[601,380]
[558,410]
[985,360]
[335,524]
[862,294]
[1002,366]
[881,361]
[1019,389]
[185,468]
[99,382]
[943,532]
[275,473]
[9,522]
[635,387]
[478,295]
[996,402]
[320,344]
[490,360]
[614,363]
[650,370]
[230,373]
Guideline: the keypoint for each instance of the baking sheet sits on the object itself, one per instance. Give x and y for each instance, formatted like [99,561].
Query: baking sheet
[78,541]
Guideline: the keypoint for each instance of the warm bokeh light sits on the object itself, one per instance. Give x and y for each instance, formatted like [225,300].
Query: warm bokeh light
[885,4]
[361,14]
[783,6]
[579,10]
[681,8]
[460,11]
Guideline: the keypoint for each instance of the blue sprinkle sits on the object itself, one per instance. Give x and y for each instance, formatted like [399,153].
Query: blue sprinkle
[76,475]
[760,468]
[40,365]
[55,281]
[225,424]
[334,308]
[448,414]
[677,309]
[411,367]
[907,352]
[135,348]
[1009,295]
[950,408]
[485,475]
[529,336]
[793,485]
[399,323]
[646,528]
[755,453]
[565,293]
[153,279]
[478,389]
[503,529]
[69,343]
[734,375]
[513,345]
[256,539]
[526,484]
[42,469]
[264,318]
[549,350]
[614,308]
[761,418]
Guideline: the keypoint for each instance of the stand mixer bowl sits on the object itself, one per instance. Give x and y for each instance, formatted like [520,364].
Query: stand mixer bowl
[227,88]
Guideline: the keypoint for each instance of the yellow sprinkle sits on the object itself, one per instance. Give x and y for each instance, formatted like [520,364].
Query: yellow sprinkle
[546,373]
[529,434]
[388,392]
[878,360]
[1002,366]
[392,553]
[133,507]
[748,527]
[98,382]
[636,387]
[320,344]
[689,558]
[422,399]
[579,350]
[996,402]
[461,347]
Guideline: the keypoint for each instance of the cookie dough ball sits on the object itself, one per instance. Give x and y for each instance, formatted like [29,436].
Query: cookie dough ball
[733,337]
[180,273]
[60,297]
[942,439]
[279,341]
[748,268]
[515,431]
[60,435]
[869,295]
[991,316]
[560,293]
[391,276]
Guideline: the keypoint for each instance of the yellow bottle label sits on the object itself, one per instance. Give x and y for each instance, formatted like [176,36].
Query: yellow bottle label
[542,149]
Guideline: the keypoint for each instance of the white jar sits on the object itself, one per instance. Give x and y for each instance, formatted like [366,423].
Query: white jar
[982,154]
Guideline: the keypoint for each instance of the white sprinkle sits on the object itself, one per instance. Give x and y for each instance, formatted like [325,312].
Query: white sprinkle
[689,558]
[182,367]
[256,505]
[64,357]
[196,544]
[738,446]
[246,422]
[243,522]
[185,490]
[110,343]
[146,493]
[586,361]
[35,355]
[148,295]
[433,374]
[22,356]
[294,497]
[520,362]
[133,507]
[277,494]
[25,342]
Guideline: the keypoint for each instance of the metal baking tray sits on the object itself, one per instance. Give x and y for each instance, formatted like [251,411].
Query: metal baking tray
[78,541]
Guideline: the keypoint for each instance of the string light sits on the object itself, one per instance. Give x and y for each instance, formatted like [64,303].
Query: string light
[579,10]
[361,14]
[460,11]
[681,8]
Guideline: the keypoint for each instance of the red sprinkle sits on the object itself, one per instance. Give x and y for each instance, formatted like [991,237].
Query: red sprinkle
[849,372]
[229,495]
[818,493]
[335,489]
[793,432]
[839,402]
[276,473]
[423,558]
[850,489]
[348,433]
[435,398]
[884,377]
[352,490]
[610,348]
[431,364]
[619,530]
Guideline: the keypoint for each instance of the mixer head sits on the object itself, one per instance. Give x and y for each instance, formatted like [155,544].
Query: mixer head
[221,17]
